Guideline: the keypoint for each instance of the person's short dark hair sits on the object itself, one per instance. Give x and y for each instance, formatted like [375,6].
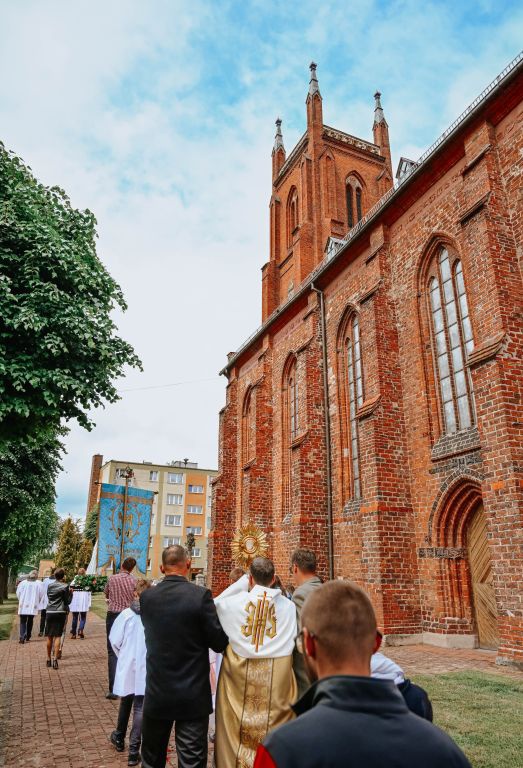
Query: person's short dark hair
[262,571]
[236,574]
[174,555]
[59,574]
[305,559]
[342,618]
[128,564]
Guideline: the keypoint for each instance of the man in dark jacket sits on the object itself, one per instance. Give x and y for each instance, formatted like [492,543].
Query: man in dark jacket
[181,624]
[348,719]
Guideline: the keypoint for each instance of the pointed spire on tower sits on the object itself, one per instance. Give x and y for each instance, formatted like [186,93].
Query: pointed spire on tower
[313,84]
[379,117]
[380,131]
[278,139]
[278,151]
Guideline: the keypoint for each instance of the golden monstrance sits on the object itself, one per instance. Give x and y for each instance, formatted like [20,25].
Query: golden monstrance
[249,542]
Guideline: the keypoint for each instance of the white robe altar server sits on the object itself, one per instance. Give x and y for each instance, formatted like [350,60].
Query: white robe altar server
[128,641]
[256,684]
[29,593]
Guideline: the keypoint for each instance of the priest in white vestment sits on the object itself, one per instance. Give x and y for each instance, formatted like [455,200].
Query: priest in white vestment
[256,684]
[29,593]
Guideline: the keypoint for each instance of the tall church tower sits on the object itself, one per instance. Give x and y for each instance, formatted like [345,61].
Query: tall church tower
[320,190]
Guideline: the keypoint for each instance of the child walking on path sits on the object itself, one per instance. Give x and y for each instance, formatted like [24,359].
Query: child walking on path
[128,642]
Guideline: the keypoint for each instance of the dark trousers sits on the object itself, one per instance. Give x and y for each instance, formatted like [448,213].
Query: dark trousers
[111,656]
[83,619]
[128,703]
[190,737]
[26,626]
[43,614]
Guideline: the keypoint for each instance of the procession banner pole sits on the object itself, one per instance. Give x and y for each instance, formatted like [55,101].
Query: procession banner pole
[124,515]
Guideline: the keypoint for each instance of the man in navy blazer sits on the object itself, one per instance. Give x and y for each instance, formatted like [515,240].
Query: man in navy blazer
[181,624]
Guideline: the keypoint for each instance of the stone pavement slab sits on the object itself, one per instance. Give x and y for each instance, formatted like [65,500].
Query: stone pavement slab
[61,718]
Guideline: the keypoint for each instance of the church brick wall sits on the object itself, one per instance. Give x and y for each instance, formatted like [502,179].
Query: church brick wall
[396,539]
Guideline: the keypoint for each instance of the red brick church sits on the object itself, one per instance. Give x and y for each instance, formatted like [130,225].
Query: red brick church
[375,415]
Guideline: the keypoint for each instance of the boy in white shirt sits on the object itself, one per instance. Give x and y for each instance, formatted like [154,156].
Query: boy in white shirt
[128,641]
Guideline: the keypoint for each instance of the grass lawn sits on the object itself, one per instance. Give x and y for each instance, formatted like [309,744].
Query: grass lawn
[98,605]
[483,713]
[8,612]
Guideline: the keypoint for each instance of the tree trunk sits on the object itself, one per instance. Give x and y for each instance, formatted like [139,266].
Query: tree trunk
[4,576]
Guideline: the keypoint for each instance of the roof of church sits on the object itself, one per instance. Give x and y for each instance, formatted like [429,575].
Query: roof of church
[510,71]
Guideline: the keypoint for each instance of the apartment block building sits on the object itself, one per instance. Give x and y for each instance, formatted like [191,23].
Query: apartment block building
[182,503]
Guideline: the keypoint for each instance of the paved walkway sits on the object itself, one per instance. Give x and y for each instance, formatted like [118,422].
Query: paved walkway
[61,719]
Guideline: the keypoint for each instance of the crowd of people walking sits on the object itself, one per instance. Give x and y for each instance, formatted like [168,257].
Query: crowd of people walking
[294,676]
[300,677]
[55,600]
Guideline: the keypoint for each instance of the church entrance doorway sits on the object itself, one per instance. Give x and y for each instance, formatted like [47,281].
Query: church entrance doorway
[482,581]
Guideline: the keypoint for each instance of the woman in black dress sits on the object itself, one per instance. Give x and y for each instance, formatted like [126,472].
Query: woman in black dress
[59,595]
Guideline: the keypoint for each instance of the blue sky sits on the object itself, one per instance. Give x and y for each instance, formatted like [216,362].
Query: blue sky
[159,117]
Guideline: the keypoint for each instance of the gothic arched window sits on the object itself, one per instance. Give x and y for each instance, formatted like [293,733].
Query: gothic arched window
[292,215]
[292,402]
[290,427]
[354,194]
[355,398]
[452,340]
[248,428]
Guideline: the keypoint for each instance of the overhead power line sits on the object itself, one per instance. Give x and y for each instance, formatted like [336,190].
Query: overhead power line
[166,386]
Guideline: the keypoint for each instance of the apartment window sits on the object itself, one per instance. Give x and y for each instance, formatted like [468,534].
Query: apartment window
[119,474]
[194,509]
[175,477]
[170,541]
[196,489]
[196,552]
[148,565]
[452,341]
[153,476]
[195,529]
[150,541]
[174,498]
[209,520]
[173,519]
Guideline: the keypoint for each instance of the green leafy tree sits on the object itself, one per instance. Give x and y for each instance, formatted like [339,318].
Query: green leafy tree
[59,351]
[28,520]
[84,553]
[91,523]
[68,549]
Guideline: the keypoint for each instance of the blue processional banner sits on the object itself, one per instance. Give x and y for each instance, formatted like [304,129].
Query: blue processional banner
[135,528]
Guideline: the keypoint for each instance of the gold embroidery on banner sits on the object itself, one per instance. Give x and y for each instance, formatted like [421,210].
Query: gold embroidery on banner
[258,615]
[255,718]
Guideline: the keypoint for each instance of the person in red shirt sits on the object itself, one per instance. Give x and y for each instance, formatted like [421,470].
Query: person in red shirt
[119,593]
